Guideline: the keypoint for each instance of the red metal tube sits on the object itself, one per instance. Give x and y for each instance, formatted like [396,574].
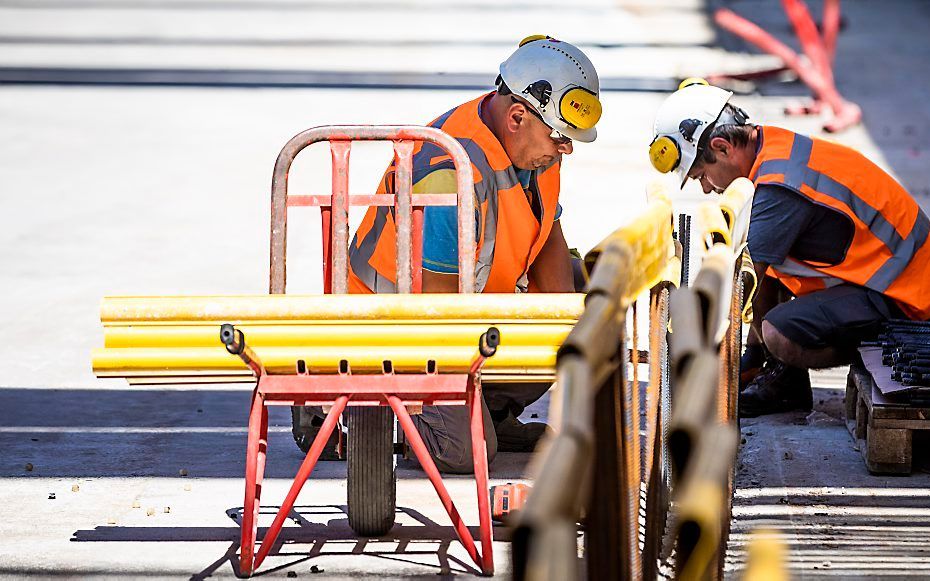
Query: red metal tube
[845,113]
[426,462]
[831,27]
[417,248]
[479,447]
[326,213]
[403,210]
[306,468]
[250,505]
[809,37]
[340,211]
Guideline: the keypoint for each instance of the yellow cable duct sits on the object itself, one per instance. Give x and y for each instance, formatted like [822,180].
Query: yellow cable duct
[361,335]
[649,239]
[283,360]
[332,308]
[736,206]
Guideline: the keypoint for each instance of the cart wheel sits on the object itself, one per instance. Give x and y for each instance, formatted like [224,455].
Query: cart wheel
[372,479]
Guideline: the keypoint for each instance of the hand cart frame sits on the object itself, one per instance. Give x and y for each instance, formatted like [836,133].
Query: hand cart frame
[403,393]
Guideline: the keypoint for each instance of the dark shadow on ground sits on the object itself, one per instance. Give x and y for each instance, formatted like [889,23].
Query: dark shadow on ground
[319,531]
[125,433]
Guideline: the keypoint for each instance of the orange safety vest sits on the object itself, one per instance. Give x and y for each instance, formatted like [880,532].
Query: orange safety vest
[510,236]
[889,251]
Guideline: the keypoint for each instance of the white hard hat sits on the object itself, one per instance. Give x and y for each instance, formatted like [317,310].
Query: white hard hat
[557,80]
[683,119]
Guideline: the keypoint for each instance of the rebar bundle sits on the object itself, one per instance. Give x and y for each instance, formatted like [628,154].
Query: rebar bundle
[906,349]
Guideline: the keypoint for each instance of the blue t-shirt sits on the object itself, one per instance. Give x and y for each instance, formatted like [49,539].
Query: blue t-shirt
[785,223]
[440,232]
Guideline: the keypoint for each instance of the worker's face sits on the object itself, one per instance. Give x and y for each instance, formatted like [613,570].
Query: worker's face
[729,163]
[528,141]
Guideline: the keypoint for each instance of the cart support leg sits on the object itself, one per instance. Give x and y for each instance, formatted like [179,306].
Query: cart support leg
[254,468]
[302,474]
[479,449]
[426,462]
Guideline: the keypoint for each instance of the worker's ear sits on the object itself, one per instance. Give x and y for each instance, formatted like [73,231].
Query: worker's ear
[721,146]
[516,117]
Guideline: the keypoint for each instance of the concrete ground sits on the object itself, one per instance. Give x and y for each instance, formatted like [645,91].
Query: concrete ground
[151,176]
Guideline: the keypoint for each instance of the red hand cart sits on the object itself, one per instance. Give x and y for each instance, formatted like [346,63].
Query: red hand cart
[366,392]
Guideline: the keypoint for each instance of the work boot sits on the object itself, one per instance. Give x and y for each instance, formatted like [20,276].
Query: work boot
[778,388]
[515,436]
[751,363]
[305,426]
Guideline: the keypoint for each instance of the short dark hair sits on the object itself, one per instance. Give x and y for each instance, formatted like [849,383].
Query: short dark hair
[502,88]
[737,135]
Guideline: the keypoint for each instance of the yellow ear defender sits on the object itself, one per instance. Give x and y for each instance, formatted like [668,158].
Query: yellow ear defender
[580,108]
[664,153]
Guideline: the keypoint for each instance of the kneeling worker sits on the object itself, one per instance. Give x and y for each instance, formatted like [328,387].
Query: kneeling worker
[828,226]
[546,98]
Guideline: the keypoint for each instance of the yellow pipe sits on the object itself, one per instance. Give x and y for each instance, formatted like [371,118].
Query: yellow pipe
[334,335]
[766,559]
[300,308]
[734,200]
[712,226]
[649,238]
[283,360]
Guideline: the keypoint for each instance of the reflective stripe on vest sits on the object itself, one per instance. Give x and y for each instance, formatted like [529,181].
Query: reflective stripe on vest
[503,254]
[888,252]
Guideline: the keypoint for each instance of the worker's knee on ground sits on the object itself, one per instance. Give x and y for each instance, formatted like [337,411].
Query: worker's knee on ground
[780,346]
[446,432]
[456,457]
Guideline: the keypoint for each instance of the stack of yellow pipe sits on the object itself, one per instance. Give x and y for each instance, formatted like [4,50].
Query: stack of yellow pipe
[176,339]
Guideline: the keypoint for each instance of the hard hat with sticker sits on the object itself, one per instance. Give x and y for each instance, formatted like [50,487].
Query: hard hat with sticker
[559,82]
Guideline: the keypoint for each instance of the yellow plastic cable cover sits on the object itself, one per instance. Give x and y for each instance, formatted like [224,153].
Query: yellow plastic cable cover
[712,226]
[283,360]
[736,206]
[441,335]
[649,238]
[766,558]
[749,269]
[701,505]
[338,308]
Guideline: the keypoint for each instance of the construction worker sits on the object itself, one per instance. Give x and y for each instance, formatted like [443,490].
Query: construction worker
[515,136]
[828,228]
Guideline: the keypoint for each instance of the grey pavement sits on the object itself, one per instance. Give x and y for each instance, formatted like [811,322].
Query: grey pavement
[157,182]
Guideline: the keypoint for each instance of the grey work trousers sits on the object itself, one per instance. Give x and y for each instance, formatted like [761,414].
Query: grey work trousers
[446,430]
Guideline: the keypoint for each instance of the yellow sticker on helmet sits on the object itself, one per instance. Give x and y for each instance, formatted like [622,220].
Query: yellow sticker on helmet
[664,154]
[692,81]
[533,37]
[580,108]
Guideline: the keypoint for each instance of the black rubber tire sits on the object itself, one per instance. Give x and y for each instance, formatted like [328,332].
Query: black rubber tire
[372,476]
